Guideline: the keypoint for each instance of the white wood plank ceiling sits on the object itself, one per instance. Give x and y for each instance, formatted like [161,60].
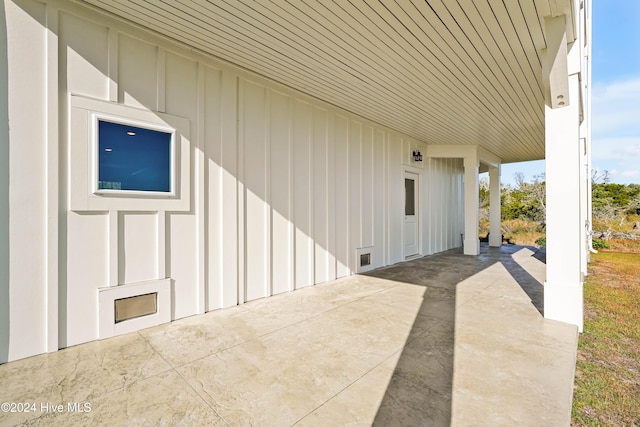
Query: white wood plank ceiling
[442,71]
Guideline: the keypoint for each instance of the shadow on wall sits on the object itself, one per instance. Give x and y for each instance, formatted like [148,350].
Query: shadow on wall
[305,161]
[421,387]
[4,191]
[297,177]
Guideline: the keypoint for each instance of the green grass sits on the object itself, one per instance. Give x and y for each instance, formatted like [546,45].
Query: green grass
[607,385]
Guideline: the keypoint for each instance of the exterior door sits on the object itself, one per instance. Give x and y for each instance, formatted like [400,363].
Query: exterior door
[410,214]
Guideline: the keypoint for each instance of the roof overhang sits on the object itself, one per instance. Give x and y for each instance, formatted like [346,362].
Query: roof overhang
[466,72]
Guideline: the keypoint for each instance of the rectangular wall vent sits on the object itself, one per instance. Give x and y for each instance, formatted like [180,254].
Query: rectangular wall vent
[136,306]
[365,259]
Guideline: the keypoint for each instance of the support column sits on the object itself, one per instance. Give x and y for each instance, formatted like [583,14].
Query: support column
[563,288]
[471,205]
[495,229]
[563,293]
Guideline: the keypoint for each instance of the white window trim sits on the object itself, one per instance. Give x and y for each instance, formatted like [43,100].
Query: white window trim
[84,195]
[96,117]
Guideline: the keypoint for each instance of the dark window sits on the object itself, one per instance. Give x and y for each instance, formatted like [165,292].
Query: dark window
[410,197]
[133,158]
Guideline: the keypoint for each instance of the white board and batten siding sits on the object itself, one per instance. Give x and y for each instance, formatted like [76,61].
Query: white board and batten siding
[283,188]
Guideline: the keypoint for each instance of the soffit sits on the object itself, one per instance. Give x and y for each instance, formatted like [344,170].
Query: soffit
[441,71]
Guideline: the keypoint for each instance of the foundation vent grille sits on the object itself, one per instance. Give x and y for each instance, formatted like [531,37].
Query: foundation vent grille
[136,306]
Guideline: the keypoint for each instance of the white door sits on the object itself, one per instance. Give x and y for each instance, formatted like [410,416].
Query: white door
[410,214]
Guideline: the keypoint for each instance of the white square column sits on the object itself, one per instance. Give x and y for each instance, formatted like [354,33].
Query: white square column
[495,229]
[471,206]
[563,288]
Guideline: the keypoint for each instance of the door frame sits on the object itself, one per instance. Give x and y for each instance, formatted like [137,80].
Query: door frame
[418,208]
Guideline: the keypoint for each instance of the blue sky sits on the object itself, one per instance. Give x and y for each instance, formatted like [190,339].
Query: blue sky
[615,94]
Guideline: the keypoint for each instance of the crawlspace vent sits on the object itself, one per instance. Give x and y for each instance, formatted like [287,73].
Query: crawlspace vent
[365,259]
[137,306]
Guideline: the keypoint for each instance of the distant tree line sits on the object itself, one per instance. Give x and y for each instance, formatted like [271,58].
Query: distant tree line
[524,200]
[614,202]
[614,205]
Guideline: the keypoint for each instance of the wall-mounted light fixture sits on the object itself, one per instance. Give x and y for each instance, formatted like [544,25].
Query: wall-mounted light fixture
[417,156]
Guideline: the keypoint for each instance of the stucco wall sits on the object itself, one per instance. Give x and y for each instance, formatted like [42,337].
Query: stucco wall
[283,187]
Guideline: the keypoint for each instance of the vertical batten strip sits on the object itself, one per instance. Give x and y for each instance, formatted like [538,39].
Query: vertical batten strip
[455,204]
[377,197]
[441,204]
[435,213]
[311,264]
[341,192]
[311,142]
[161,87]
[113,65]
[268,255]
[348,191]
[428,211]
[434,206]
[331,196]
[230,215]
[200,190]
[310,238]
[354,154]
[433,203]
[366,188]
[454,208]
[461,197]
[385,198]
[53,186]
[451,206]
[213,173]
[449,186]
[253,125]
[114,260]
[360,189]
[387,209]
[292,227]
[327,200]
[320,191]
[161,223]
[302,122]
[445,205]
[279,156]
[426,244]
[241,195]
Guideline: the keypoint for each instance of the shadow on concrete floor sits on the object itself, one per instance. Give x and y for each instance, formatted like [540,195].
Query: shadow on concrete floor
[420,390]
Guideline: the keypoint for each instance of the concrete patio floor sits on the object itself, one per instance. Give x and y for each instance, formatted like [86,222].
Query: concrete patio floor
[443,340]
